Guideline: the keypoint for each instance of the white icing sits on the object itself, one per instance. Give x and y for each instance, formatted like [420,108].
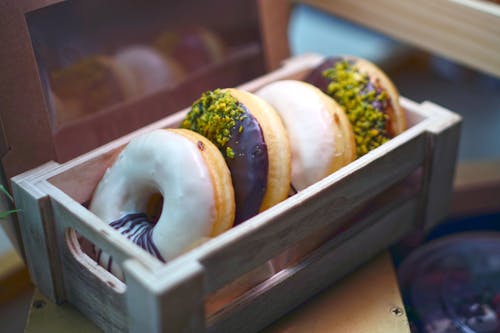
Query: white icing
[310,129]
[165,162]
[150,70]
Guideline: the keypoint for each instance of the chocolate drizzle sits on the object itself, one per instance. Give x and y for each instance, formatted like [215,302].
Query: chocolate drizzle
[249,166]
[139,230]
[316,77]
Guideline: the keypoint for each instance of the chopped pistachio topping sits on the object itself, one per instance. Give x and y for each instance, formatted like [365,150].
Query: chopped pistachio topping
[363,103]
[214,115]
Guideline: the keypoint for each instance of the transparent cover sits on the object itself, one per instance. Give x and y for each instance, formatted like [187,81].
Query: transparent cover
[94,55]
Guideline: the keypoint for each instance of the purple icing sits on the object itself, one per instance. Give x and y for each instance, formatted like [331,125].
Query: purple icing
[316,77]
[139,230]
[249,166]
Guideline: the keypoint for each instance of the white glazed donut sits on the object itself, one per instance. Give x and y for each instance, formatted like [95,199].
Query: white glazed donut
[321,141]
[319,132]
[191,175]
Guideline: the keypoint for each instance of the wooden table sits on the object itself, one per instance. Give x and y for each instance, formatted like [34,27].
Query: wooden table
[367,300]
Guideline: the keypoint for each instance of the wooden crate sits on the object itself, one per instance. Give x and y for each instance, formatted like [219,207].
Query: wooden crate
[365,207]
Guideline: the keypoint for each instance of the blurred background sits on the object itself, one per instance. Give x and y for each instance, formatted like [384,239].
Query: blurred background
[106,47]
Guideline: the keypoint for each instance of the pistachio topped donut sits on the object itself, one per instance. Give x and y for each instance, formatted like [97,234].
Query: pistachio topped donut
[368,96]
[253,140]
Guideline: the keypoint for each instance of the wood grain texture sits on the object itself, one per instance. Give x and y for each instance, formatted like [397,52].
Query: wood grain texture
[174,306]
[271,232]
[466,31]
[37,235]
[361,302]
[273,19]
[443,149]
[328,264]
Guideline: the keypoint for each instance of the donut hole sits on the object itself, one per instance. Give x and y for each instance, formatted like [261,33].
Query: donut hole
[154,207]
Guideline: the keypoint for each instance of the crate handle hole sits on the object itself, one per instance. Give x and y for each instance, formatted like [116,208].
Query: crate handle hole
[86,254]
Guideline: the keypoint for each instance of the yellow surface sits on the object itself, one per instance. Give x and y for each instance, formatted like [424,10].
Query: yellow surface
[366,301]
[47,317]
[14,276]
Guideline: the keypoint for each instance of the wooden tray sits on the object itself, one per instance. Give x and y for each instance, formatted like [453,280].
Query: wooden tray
[365,207]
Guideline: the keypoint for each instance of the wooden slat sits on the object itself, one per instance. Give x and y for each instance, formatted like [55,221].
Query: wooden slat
[38,238]
[363,302]
[273,18]
[11,224]
[174,306]
[271,232]
[443,146]
[317,272]
[466,31]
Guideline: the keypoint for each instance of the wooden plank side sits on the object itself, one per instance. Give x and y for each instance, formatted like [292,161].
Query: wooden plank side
[466,31]
[325,203]
[316,273]
[174,306]
[273,19]
[35,231]
[96,293]
[38,241]
[443,145]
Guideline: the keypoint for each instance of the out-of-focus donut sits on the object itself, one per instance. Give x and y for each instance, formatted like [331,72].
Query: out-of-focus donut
[320,133]
[151,70]
[368,97]
[192,47]
[253,140]
[88,86]
[191,175]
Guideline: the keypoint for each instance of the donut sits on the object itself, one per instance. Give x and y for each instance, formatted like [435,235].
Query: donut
[321,134]
[151,71]
[190,174]
[253,140]
[192,47]
[368,97]
[88,86]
